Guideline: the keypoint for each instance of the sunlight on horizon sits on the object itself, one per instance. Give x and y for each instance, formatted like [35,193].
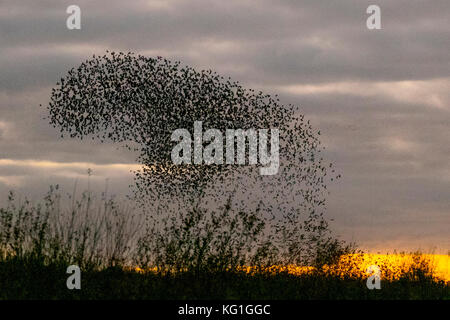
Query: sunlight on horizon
[392,266]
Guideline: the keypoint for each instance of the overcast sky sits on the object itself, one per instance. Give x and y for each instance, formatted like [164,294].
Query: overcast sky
[380,98]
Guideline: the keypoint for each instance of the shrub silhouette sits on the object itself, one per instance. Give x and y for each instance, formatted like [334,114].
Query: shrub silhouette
[38,242]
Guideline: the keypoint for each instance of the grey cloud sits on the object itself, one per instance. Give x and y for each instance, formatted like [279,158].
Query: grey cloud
[282,42]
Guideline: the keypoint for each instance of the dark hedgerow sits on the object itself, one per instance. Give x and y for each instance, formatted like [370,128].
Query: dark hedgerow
[39,242]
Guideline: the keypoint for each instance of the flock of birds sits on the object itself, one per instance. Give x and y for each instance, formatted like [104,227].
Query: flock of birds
[139,101]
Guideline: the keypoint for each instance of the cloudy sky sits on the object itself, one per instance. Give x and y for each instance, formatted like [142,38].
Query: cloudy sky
[380,98]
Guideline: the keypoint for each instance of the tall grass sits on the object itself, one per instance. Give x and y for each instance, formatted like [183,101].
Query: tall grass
[89,231]
[190,251]
[205,241]
[96,231]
